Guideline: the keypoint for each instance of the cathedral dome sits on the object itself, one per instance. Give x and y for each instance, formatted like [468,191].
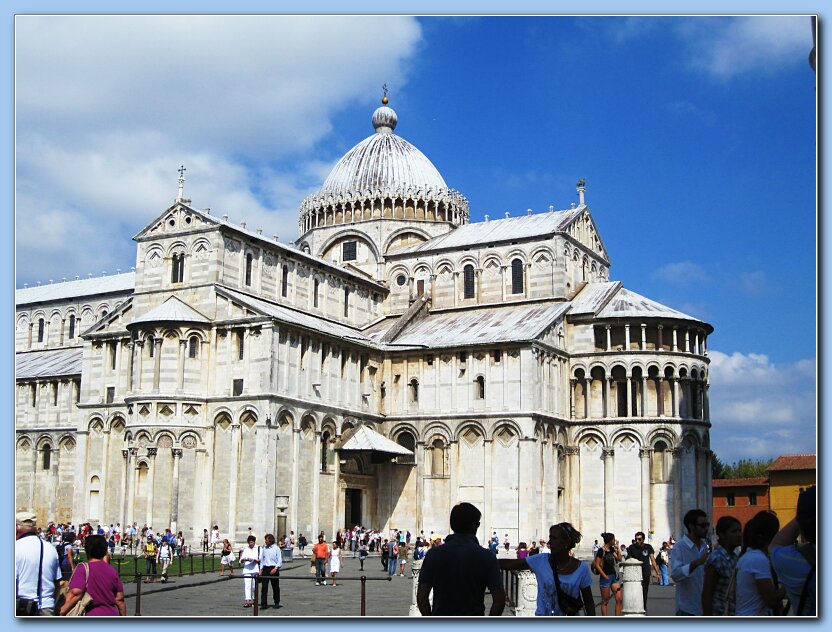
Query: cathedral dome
[383,177]
[383,162]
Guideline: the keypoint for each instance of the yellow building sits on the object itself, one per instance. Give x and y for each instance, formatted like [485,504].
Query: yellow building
[789,475]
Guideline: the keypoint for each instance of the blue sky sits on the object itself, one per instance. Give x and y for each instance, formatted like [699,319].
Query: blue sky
[696,137]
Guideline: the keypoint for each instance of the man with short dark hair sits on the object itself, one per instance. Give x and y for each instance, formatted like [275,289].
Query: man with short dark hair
[459,571]
[644,553]
[687,563]
[36,569]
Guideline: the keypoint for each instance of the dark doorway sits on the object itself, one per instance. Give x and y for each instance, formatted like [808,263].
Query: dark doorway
[352,507]
[420,287]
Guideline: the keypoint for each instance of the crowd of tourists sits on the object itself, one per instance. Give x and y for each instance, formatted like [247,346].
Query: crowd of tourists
[758,569]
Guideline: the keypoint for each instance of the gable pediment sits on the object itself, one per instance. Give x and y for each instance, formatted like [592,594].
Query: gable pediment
[113,322]
[179,218]
[583,230]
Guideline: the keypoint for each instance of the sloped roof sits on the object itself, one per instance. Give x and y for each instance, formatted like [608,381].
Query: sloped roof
[366,439]
[497,230]
[173,310]
[511,323]
[295,317]
[759,481]
[593,297]
[124,282]
[793,462]
[628,304]
[51,363]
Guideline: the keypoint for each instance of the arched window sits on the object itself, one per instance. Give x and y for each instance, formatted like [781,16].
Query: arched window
[47,456]
[479,387]
[249,260]
[414,391]
[193,346]
[151,346]
[407,440]
[177,270]
[317,285]
[346,301]
[41,327]
[468,280]
[517,276]
[659,463]
[284,284]
[324,450]
[437,461]
[72,326]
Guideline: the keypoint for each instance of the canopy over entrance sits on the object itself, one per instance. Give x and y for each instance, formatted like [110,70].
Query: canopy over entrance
[365,439]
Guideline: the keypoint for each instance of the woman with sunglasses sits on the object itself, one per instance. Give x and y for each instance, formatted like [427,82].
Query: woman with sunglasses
[606,559]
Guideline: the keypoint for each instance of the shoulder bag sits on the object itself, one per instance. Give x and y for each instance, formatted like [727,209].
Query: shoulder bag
[81,606]
[569,605]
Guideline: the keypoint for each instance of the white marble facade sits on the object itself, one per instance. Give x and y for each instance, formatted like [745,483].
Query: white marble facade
[219,382]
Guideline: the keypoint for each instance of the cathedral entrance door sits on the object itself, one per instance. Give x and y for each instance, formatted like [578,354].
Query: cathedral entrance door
[352,507]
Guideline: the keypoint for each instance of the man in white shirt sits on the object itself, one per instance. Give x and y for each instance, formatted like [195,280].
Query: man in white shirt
[271,560]
[687,564]
[37,570]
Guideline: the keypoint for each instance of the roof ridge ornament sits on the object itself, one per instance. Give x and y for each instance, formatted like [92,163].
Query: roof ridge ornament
[180,195]
[384,99]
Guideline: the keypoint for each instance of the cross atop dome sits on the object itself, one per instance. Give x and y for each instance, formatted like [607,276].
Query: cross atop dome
[385,118]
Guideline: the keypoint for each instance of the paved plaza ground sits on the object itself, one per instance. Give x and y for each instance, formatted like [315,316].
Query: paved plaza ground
[213,596]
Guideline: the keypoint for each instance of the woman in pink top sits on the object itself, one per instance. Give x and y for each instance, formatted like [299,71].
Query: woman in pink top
[99,579]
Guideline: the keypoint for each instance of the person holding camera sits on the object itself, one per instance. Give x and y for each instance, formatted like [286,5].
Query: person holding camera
[606,563]
[564,584]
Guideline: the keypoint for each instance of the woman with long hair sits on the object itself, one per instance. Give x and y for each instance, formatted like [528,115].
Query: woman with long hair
[606,559]
[560,576]
[719,588]
[335,562]
[757,590]
[97,578]
[227,558]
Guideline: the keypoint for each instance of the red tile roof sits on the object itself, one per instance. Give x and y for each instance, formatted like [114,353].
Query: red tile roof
[759,481]
[793,462]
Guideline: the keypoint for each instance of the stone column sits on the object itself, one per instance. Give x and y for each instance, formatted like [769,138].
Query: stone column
[124,485]
[455,275]
[609,337]
[415,568]
[293,499]
[675,466]
[633,596]
[627,337]
[629,395]
[133,474]
[572,384]
[644,454]
[605,385]
[674,394]
[587,384]
[232,481]
[526,594]
[675,340]
[151,475]
[105,469]
[503,282]
[574,485]
[131,361]
[316,484]
[643,337]
[609,486]
[139,349]
[174,501]
[478,282]
[660,396]
[687,340]
[661,338]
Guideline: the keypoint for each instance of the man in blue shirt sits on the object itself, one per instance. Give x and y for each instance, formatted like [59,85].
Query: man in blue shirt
[459,571]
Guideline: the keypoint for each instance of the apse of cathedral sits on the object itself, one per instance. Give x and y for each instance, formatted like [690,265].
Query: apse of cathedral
[394,360]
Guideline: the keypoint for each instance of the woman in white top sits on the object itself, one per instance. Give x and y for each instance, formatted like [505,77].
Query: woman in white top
[335,562]
[250,559]
[757,592]
[573,576]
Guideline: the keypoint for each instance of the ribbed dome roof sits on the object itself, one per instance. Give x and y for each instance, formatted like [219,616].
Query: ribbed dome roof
[383,162]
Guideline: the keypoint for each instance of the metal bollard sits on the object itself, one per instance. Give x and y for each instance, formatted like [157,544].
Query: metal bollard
[363,595]
[138,612]
[633,597]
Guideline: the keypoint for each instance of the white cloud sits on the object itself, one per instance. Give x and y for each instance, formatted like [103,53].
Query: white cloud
[724,47]
[114,104]
[760,409]
[681,272]
[755,283]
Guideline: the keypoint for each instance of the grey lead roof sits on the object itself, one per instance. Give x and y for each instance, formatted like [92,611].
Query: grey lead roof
[500,230]
[78,288]
[593,297]
[51,363]
[172,310]
[294,317]
[366,439]
[627,304]
[511,323]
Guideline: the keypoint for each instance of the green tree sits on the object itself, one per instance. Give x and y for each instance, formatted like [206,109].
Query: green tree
[718,468]
[744,468]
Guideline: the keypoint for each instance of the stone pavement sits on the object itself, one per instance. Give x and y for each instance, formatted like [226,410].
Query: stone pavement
[213,596]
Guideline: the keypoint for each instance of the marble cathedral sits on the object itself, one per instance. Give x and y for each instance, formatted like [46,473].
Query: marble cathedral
[394,360]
